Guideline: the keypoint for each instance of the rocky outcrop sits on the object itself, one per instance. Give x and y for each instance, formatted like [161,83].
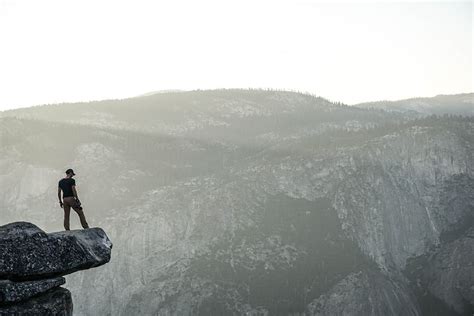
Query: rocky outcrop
[11,291]
[33,262]
[29,253]
[57,302]
[366,293]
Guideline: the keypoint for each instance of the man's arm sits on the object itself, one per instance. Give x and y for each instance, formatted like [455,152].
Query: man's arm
[74,191]
[59,197]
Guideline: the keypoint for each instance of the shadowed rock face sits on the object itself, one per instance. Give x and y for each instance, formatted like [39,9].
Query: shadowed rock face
[11,291]
[449,274]
[366,293]
[54,302]
[28,253]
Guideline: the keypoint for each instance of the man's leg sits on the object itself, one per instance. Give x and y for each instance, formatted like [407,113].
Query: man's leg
[67,211]
[82,217]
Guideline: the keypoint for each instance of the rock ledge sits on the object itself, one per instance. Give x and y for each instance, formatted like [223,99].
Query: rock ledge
[33,262]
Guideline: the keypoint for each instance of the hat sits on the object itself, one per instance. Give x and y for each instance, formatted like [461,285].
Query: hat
[68,171]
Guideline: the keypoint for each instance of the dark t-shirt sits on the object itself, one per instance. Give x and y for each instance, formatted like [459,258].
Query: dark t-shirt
[66,185]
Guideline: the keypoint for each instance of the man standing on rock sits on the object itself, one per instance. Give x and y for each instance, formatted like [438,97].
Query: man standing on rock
[70,199]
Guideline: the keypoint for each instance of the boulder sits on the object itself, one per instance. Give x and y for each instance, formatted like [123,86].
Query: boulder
[57,302]
[28,253]
[11,291]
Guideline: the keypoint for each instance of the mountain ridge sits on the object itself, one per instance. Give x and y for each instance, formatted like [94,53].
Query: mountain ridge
[454,104]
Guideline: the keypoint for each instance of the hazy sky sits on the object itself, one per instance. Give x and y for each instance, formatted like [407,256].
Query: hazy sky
[60,51]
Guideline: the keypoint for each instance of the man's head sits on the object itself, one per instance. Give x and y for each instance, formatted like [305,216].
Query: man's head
[70,173]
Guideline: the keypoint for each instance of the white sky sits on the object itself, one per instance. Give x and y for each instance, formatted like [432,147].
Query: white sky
[64,51]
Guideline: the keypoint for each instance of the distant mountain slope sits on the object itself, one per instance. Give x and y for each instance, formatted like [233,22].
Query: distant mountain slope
[218,114]
[456,104]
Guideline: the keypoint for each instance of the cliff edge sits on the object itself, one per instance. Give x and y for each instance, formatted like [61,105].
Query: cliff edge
[33,263]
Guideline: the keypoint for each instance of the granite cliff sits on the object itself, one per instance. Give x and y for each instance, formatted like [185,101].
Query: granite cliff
[254,202]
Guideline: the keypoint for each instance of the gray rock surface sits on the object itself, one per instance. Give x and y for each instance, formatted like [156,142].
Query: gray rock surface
[11,291]
[364,294]
[394,202]
[29,253]
[56,302]
[449,274]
